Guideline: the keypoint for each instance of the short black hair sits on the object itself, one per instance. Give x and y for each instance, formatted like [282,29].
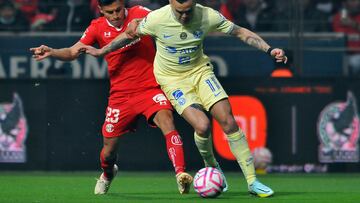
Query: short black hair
[181,1]
[105,2]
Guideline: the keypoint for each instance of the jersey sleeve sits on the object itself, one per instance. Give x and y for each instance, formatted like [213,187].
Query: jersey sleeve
[218,22]
[142,11]
[89,36]
[147,25]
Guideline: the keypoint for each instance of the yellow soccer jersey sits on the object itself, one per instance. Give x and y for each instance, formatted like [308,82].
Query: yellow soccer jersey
[180,47]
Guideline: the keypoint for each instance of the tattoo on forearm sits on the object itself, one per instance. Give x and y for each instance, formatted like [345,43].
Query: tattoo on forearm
[249,38]
[256,42]
[117,44]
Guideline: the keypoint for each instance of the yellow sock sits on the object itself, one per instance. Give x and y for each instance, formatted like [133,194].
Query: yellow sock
[205,148]
[239,147]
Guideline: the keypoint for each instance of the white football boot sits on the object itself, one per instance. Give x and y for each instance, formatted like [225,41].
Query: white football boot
[260,190]
[184,181]
[103,184]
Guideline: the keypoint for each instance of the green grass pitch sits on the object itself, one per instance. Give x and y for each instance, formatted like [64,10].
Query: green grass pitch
[64,187]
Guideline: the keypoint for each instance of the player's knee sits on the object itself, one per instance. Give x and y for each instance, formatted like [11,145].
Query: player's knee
[109,151]
[164,120]
[229,125]
[202,127]
[108,155]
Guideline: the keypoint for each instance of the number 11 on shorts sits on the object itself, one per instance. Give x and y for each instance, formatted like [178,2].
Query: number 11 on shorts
[213,84]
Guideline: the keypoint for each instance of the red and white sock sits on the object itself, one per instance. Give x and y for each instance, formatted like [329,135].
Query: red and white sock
[107,164]
[175,151]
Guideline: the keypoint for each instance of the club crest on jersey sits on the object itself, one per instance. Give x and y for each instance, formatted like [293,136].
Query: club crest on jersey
[338,131]
[107,34]
[179,97]
[183,35]
[13,132]
[160,99]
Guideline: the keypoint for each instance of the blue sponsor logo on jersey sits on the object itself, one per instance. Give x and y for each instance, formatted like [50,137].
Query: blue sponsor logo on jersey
[171,50]
[179,97]
[182,101]
[177,94]
[189,50]
[184,59]
[197,34]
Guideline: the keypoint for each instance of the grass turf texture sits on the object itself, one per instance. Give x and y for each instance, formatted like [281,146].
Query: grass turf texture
[64,187]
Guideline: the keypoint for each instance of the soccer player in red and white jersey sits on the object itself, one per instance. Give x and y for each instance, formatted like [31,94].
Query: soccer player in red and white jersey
[133,89]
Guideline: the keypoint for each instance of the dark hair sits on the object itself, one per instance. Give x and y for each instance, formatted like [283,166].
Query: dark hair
[7,4]
[182,1]
[105,2]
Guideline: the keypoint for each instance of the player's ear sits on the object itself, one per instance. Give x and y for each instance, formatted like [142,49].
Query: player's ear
[100,10]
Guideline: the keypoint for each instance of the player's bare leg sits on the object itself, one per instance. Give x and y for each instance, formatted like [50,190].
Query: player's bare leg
[197,118]
[165,121]
[221,111]
[108,157]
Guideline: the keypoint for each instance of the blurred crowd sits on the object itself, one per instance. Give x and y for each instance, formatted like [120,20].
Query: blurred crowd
[257,15]
[317,16]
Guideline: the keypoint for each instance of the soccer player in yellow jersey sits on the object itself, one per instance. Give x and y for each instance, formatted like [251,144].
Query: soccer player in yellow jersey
[187,78]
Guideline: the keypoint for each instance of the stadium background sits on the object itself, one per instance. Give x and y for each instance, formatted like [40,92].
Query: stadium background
[63,102]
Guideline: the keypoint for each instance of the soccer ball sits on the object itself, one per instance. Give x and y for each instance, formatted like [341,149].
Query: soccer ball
[209,182]
[262,157]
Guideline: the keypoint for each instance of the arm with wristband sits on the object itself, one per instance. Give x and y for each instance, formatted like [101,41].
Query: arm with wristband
[256,41]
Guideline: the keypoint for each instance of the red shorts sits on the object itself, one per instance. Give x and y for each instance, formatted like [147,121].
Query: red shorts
[122,114]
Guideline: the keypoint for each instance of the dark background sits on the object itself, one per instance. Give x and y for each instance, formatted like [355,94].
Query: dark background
[64,118]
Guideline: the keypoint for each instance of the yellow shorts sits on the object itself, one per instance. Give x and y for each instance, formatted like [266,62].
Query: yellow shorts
[197,86]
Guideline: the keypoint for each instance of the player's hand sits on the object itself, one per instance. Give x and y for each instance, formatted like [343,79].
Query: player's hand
[41,52]
[91,51]
[131,30]
[279,55]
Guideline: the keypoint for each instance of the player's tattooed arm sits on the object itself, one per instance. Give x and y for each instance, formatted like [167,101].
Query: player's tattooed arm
[124,39]
[256,41]
[121,41]
[250,38]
